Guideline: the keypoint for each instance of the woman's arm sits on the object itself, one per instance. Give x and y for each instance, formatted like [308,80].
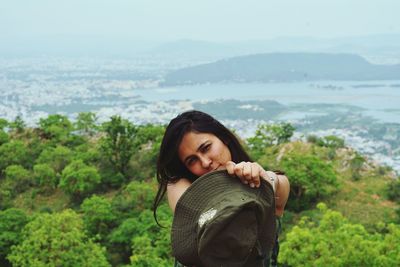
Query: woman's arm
[175,191]
[281,194]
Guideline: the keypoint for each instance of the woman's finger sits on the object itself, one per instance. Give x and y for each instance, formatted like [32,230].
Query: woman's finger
[246,171]
[230,167]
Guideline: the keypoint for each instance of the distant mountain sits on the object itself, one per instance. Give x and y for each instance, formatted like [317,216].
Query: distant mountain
[284,67]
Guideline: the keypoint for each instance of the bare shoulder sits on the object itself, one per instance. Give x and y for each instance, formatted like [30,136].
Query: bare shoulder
[175,191]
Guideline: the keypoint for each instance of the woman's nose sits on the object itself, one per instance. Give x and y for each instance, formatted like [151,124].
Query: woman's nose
[206,162]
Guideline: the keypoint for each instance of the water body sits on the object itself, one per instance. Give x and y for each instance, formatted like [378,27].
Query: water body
[380,99]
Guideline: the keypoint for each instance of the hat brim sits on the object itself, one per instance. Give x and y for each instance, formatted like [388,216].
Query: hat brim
[212,187]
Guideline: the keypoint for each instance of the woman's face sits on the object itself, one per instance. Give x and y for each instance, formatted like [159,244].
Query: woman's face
[203,152]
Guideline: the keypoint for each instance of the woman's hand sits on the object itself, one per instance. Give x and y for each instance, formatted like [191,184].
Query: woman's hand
[249,173]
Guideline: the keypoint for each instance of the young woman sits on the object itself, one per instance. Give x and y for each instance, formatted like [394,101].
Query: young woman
[194,144]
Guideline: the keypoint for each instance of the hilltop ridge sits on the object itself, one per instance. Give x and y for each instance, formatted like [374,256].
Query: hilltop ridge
[283,67]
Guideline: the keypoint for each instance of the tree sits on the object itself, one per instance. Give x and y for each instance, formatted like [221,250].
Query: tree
[11,223]
[79,179]
[141,239]
[356,165]
[45,176]
[119,143]
[18,125]
[393,190]
[3,137]
[268,135]
[57,240]
[334,241]
[310,179]
[135,198]
[148,140]
[98,216]
[3,124]
[56,126]
[86,122]
[57,157]
[13,152]
[19,178]
[331,141]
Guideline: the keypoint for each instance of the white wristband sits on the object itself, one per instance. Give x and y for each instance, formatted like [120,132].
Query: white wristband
[272,178]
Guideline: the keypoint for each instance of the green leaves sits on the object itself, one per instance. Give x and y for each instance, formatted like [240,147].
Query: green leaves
[57,240]
[334,241]
[13,152]
[119,143]
[79,179]
[56,127]
[98,216]
[86,122]
[310,179]
[268,135]
[11,223]
[45,176]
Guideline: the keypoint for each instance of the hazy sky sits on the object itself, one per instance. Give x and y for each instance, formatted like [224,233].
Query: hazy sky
[212,20]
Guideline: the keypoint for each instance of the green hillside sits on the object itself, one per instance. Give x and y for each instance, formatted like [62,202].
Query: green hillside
[81,194]
[284,67]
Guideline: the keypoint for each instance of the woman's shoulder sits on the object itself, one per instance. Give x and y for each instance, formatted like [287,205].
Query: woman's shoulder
[175,191]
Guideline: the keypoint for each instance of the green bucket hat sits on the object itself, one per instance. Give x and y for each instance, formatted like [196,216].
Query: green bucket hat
[219,221]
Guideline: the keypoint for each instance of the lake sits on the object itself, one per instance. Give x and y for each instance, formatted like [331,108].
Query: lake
[380,99]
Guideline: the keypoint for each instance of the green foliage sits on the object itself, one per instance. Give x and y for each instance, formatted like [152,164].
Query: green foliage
[86,122]
[393,190]
[330,141]
[98,216]
[56,240]
[268,135]
[145,254]
[19,177]
[11,223]
[143,240]
[45,176]
[3,124]
[3,137]
[13,153]
[356,165]
[57,157]
[122,219]
[148,140]
[88,154]
[18,125]
[79,179]
[311,179]
[133,206]
[135,198]
[152,244]
[119,144]
[56,126]
[312,138]
[333,241]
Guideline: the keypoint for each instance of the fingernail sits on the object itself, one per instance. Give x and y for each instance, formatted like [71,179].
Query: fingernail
[251,185]
[245,182]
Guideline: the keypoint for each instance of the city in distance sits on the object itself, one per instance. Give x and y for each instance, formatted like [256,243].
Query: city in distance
[313,91]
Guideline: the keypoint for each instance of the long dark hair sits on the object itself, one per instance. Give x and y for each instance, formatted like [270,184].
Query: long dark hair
[170,168]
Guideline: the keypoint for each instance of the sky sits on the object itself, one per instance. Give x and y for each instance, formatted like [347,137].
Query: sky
[114,26]
[209,20]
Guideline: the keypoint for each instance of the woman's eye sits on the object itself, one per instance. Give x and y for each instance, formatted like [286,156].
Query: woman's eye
[206,147]
[190,161]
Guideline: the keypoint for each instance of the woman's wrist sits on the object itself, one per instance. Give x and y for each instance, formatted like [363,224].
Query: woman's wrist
[272,178]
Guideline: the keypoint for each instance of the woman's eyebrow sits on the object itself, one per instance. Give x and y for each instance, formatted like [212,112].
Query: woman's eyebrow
[201,146]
